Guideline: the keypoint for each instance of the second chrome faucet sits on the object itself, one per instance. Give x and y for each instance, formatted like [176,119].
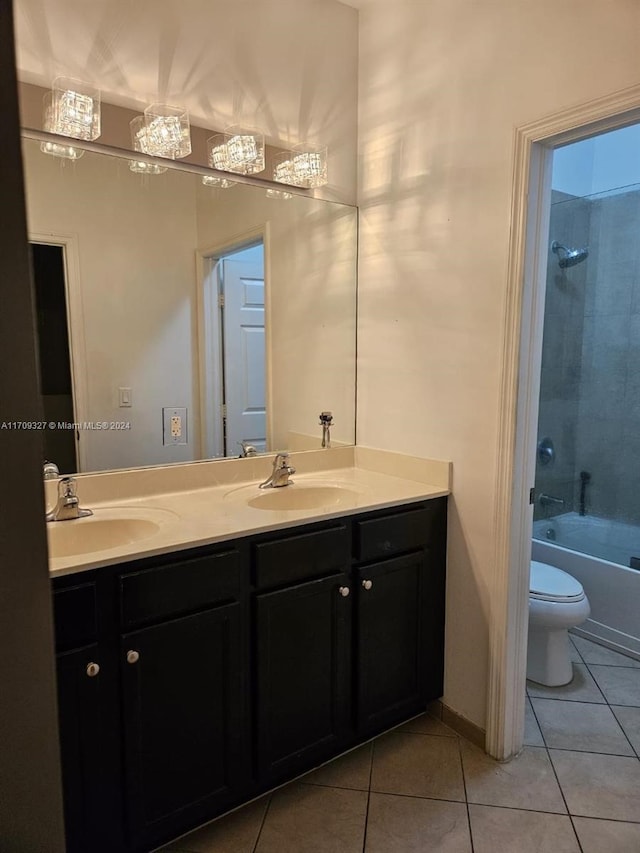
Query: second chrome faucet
[280,473]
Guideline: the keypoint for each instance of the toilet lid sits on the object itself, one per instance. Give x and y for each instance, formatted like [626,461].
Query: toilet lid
[551,584]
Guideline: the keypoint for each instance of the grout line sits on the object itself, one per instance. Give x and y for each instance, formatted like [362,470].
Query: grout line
[264,818]
[535,716]
[636,752]
[366,816]
[466,796]
[596,682]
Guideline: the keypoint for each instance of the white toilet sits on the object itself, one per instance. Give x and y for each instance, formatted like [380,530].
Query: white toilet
[557,602]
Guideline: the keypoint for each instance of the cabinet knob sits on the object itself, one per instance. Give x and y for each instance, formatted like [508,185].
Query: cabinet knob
[92,669]
[367,584]
[344,591]
[133,656]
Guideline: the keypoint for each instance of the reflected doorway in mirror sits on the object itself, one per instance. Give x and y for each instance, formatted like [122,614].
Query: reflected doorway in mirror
[235,386]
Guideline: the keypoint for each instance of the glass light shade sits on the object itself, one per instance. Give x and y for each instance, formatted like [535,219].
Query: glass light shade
[138,143]
[283,168]
[66,152]
[281,194]
[245,150]
[217,152]
[238,149]
[167,131]
[309,166]
[72,108]
[214,181]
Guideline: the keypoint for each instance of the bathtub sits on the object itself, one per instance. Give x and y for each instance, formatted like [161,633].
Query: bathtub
[612,587]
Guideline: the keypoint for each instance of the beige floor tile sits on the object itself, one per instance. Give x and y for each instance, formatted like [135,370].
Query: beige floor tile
[580,726]
[235,833]
[611,836]
[605,786]
[532,733]
[629,719]
[574,654]
[581,689]
[620,685]
[427,725]
[418,765]
[526,782]
[594,653]
[413,825]
[352,770]
[496,830]
[314,819]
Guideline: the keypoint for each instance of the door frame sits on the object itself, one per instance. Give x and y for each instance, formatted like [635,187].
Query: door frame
[210,340]
[75,327]
[518,399]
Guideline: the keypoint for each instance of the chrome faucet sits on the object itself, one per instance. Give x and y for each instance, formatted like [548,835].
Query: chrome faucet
[68,505]
[280,473]
[326,422]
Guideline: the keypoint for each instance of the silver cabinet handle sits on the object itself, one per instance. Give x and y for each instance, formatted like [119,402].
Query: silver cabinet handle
[133,656]
[92,669]
[344,591]
[367,584]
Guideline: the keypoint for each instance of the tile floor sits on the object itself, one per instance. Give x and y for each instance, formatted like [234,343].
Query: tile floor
[574,789]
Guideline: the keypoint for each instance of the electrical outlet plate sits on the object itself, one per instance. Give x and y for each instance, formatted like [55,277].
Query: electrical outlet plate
[174,426]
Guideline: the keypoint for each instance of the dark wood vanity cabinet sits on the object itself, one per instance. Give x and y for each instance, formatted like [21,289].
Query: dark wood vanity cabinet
[228,670]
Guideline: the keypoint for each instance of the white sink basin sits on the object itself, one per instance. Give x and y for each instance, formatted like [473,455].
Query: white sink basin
[298,496]
[103,531]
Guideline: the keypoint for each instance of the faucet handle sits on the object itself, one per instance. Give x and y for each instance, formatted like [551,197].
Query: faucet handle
[50,470]
[281,459]
[67,487]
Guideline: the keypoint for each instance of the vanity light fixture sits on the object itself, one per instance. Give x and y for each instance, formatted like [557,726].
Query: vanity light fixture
[165,132]
[305,166]
[138,141]
[214,181]
[238,149]
[71,108]
[281,194]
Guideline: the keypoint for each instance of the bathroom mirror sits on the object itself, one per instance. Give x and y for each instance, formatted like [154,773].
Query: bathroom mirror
[178,320]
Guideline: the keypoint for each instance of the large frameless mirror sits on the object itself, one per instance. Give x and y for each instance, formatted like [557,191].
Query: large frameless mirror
[181,321]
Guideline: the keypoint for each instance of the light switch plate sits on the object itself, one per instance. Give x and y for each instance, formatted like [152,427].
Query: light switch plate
[124,398]
[174,426]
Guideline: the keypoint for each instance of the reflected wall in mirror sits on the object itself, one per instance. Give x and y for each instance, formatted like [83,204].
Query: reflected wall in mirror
[198,317]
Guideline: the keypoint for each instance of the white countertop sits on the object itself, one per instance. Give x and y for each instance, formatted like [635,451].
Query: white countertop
[191,517]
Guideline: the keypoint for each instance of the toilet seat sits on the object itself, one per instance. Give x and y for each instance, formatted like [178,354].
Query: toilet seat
[548,583]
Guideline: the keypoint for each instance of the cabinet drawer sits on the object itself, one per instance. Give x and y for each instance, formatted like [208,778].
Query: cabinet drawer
[195,584]
[74,613]
[309,555]
[393,534]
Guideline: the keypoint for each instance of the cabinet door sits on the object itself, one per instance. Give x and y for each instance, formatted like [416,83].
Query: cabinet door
[84,700]
[185,721]
[303,655]
[391,635]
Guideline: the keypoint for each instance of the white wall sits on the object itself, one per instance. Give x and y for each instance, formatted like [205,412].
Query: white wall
[135,238]
[442,86]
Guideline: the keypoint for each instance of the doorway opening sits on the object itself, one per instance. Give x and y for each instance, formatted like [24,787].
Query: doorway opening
[529,253]
[235,358]
[586,514]
[54,356]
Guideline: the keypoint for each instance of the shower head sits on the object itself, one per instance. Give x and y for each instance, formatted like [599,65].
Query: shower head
[569,257]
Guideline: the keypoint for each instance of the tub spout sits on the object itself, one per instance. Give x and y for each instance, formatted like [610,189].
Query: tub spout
[550,500]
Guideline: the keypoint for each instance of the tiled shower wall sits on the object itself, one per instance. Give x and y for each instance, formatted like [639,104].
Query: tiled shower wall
[564,319]
[590,383]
